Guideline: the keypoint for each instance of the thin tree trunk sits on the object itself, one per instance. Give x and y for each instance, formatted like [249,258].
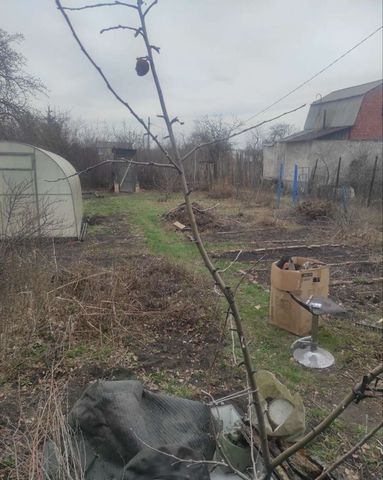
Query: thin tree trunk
[206,259]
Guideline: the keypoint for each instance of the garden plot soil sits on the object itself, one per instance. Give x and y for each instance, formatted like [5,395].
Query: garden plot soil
[114,242]
[355,265]
[144,318]
[266,236]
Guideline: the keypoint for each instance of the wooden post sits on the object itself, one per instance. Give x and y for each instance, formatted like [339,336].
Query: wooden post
[295,192]
[280,184]
[148,133]
[337,177]
[311,182]
[372,182]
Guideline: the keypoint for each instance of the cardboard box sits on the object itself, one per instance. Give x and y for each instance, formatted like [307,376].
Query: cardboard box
[284,311]
[296,280]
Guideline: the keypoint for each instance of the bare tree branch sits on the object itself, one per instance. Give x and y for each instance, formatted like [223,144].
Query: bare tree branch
[231,263]
[176,162]
[106,162]
[225,289]
[107,83]
[348,454]
[356,393]
[96,5]
[150,6]
[236,134]
[122,27]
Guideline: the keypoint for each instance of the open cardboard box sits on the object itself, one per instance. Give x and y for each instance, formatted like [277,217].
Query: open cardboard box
[298,280]
[284,311]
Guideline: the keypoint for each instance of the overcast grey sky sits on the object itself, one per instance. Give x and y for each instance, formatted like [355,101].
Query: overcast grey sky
[217,56]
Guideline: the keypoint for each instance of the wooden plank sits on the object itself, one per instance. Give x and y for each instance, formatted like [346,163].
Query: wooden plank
[180,226]
[360,281]
[282,247]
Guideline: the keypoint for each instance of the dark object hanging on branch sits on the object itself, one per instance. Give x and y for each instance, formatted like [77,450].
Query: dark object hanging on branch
[142,66]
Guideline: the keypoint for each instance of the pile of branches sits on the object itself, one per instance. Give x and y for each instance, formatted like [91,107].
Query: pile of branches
[315,209]
[205,217]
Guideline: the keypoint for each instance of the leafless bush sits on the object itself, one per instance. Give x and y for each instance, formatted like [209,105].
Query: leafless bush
[25,217]
[262,195]
[359,223]
[221,191]
[161,179]
[46,437]
[360,174]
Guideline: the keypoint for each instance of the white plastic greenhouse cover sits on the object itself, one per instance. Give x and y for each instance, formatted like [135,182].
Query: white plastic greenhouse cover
[32,199]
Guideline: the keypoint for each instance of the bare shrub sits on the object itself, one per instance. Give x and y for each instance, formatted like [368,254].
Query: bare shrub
[46,437]
[359,223]
[25,218]
[267,219]
[360,173]
[162,179]
[221,191]
[262,196]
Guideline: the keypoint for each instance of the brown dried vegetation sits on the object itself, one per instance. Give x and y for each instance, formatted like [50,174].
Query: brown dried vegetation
[63,327]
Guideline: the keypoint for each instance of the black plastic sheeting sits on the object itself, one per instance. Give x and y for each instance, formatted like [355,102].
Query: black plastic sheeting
[122,431]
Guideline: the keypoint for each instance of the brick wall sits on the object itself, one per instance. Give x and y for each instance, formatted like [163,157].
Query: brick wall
[369,121]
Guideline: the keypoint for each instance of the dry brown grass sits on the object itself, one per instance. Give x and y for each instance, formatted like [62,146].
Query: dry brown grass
[359,224]
[25,444]
[258,197]
[58,323]
[55,308]
[221,191]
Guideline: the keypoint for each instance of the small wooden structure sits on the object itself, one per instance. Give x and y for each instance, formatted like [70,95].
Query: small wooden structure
[123,175]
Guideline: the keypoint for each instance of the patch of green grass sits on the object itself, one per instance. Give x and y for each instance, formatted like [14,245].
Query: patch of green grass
[171,384]
[317,414]
[329,444]
[8,462]
[77,351]
[269,346]
[328,340]
[36,351]
[103,353]
[143,213]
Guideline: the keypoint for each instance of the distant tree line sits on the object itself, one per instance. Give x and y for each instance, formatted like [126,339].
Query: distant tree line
[55,130]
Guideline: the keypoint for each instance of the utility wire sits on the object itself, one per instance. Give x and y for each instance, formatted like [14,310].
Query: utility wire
[316,74]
